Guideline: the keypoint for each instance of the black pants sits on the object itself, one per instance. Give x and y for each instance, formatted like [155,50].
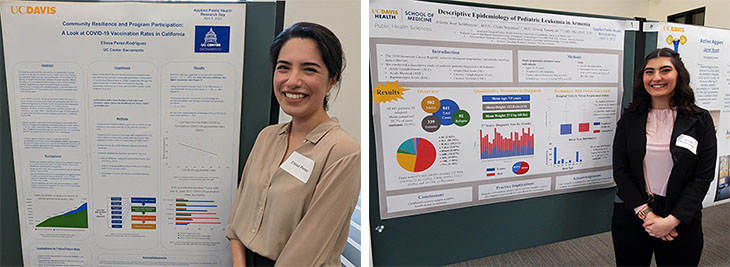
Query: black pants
[254,259]
[634,246]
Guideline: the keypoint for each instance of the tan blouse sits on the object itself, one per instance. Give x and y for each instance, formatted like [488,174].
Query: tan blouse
[294,223]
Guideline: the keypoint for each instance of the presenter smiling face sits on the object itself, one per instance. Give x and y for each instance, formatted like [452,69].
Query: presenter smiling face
[301,79]
[660,79]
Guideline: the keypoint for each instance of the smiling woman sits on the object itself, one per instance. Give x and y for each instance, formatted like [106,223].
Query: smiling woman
[301,181]
[660,78]
[301,80]
[663,163]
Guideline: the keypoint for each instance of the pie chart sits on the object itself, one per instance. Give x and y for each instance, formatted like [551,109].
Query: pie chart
[416,154]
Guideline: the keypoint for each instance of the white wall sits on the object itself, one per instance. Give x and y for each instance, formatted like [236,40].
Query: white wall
[717,12]
[343,18]
[619,8]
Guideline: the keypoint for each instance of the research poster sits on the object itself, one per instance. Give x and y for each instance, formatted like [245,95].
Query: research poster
[706,54]
[476,105]
[125,123]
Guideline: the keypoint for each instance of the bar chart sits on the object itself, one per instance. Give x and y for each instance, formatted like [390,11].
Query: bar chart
[582,127]
[557,156]
[495,144]
[196,211]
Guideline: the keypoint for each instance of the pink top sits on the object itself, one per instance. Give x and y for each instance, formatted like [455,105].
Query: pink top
[658,160]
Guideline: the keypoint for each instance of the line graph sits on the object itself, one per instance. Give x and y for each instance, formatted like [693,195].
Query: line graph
[197,149]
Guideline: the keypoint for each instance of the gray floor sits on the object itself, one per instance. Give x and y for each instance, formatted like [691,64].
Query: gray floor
[597,250]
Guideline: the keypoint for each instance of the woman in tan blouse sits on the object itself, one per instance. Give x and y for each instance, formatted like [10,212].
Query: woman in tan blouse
[302,179]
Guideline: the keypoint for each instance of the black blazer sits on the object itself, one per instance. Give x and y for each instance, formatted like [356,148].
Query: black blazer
[691,175]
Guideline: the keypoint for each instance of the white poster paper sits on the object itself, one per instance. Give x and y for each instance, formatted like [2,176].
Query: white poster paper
[501,102]
[125,123]
[706,55]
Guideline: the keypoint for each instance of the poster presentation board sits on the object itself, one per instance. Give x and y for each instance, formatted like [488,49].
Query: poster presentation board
[476,105]
[125,121]
[706,55]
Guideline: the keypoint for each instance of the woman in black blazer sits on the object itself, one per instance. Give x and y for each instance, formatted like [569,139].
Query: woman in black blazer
[664,155]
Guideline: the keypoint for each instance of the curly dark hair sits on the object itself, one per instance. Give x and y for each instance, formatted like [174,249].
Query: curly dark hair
[327,43]
[683,98]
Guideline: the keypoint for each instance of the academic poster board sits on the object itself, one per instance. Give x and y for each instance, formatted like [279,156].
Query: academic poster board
[706,54]
[125,121]
[474,105]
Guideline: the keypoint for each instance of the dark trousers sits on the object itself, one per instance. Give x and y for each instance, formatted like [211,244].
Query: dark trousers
[634,246]
[254,259]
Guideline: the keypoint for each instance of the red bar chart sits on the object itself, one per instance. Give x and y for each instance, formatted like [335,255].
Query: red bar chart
[191,211]
[513,143]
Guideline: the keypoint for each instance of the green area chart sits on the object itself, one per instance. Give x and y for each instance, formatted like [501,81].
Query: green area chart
[76,218]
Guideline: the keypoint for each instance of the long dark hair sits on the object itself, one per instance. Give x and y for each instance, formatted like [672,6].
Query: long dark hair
[684,97]
[327,43]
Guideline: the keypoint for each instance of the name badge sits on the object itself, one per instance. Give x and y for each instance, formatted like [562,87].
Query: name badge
[298,166]
[687,142]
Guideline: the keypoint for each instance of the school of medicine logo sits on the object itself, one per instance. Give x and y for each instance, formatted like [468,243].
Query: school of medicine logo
[418,16]
[212,39]
[676,42]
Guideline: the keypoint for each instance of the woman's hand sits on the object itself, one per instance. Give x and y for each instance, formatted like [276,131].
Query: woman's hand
[660,227]
[670,236]
[650,216]
[238,253]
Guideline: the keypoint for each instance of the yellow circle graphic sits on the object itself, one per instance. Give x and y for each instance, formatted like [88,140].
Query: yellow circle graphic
[430,104]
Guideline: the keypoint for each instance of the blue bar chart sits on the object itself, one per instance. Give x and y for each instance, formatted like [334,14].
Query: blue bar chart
[192,211]
[558,157]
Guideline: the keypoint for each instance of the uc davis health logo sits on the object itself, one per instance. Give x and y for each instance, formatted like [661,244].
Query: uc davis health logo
[384,14]
[212,39]
[38,10]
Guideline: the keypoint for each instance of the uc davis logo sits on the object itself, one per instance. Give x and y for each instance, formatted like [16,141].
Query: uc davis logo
[212,39]
[676,42]
[384,14]
[38,10]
